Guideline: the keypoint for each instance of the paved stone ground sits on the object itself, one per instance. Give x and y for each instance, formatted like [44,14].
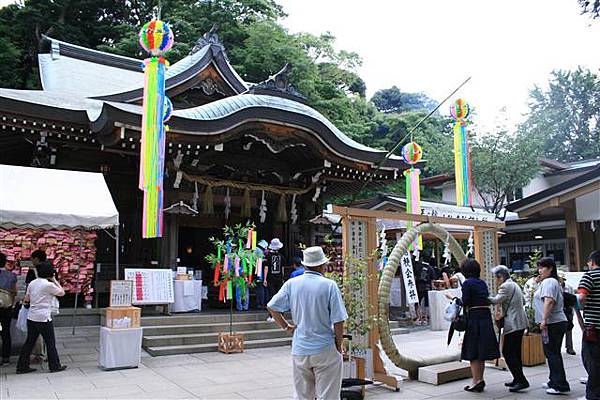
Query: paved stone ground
[255,374]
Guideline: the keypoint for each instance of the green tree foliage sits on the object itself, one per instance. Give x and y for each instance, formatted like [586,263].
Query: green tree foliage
[393,100]
[591,7]
[566,115]
[502,163]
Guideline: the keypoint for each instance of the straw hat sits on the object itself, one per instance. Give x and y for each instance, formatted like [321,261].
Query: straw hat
[314,257]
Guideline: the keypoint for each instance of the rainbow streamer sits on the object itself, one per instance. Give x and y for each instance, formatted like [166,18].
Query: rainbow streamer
[152,156]
[413,201]
[462,154]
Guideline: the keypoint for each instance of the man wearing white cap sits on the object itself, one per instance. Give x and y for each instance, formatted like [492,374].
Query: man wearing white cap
[318,315]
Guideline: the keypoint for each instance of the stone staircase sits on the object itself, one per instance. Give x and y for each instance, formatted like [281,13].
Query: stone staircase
[198,333]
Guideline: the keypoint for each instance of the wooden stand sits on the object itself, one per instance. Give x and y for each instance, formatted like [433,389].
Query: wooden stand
[532,351]
[233,343]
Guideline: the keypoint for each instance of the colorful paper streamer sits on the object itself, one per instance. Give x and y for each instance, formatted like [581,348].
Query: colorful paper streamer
[413,201]
[156,37]
[462,154]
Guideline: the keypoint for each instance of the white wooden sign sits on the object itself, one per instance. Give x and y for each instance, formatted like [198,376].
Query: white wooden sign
[121,293]
[151,286]
[408,276]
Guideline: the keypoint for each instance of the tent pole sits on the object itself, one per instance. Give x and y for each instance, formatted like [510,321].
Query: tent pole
[77,290]
[117,251]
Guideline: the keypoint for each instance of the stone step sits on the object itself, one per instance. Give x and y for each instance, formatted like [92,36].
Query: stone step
[205,328]
[442,373]
[156,330]
[201,318]
[204,338]
[212,347]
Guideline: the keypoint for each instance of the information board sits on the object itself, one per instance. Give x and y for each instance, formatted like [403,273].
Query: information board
[151,286]
[120,293]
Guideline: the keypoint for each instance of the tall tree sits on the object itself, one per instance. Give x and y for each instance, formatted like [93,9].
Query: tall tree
[393,100]
[591,7]
[502,163]
[566,116]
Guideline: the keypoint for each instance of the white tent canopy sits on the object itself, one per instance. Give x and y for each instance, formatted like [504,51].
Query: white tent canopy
[51,198]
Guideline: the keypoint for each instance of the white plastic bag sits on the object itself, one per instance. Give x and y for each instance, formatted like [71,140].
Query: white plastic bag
[55,306]
[452,310]
[22,319]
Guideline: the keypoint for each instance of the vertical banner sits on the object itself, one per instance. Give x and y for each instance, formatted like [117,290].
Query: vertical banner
[409,279]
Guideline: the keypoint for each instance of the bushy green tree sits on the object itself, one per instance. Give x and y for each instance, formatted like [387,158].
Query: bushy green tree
[393,100]
[566,116]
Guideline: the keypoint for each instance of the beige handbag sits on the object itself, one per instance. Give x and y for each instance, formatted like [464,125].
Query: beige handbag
[6,298]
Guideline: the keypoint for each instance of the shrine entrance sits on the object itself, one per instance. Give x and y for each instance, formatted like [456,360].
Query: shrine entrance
[359,235]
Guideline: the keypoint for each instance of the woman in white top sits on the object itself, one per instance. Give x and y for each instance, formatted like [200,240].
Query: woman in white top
[548,302]
[40,295]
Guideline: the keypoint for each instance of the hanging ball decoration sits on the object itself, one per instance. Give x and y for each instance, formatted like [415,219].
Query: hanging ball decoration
[412,153]
[156,37]
[167,110]
[460,109]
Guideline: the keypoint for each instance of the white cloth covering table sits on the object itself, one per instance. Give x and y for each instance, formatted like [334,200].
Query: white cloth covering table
[120,348]
[437,304]
[188,296]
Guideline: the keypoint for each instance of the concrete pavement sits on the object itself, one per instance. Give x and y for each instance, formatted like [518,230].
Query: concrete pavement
[255,374]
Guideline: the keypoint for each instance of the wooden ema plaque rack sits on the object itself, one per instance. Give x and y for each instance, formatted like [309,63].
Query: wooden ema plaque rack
[360,240]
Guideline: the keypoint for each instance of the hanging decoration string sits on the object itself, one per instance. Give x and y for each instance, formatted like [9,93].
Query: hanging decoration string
[462,153]
[156,37]
[412,154]
[243,186]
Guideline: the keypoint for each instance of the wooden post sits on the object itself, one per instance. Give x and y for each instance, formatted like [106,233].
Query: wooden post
[573,247]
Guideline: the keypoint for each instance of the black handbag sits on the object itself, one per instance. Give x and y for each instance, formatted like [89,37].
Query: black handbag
[16,309]
[460,323]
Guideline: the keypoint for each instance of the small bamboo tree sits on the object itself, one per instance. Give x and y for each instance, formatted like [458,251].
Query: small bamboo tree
[234,263]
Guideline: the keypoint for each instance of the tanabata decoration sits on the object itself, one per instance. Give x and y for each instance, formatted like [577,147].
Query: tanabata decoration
[156,37]
[412,153]
[236,262]
[462,153]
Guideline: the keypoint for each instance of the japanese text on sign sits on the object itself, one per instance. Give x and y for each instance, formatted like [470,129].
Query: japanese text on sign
[409,279]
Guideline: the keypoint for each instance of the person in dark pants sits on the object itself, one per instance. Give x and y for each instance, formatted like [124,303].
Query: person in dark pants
[261,289]
[589,298]
[8,287]
[479,343]
[38,298]
[274,270]
[510,298]
[548,302]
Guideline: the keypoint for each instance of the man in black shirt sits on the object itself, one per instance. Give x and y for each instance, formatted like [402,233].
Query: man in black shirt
[274,269]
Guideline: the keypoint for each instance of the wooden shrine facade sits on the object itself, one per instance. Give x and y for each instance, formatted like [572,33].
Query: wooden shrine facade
[242,141]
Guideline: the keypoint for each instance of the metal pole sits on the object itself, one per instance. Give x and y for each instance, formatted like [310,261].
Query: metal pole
[77,290]
[117,251]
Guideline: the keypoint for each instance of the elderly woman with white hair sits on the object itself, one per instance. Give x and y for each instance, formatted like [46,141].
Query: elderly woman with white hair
[510,298]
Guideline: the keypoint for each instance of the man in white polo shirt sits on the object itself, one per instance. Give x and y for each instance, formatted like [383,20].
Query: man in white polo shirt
[318,315]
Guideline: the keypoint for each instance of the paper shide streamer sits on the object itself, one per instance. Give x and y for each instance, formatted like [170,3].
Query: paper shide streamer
[156,37]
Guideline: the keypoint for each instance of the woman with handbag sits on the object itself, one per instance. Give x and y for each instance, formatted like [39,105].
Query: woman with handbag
[513,322]
[548,301]
[479,343]
[40,297]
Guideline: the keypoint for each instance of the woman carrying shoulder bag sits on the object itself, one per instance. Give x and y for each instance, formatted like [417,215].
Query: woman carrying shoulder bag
[40,294]
[510,298]
[479,343]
